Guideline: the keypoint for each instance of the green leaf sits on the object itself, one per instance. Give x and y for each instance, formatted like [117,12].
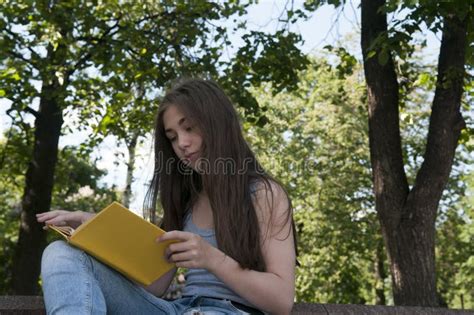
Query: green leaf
[16,76]
[423,79]
[371,54]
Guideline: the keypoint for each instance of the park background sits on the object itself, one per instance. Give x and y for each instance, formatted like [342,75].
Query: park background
[295,72]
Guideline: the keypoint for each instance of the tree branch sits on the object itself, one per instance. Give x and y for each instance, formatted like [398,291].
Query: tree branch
[446,121]
[14,54]
[87,55]
[107,34]
[21,42]
[390,182]
[31,111]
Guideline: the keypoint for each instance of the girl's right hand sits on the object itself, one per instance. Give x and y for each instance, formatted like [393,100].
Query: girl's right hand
[191,250]
[63,218]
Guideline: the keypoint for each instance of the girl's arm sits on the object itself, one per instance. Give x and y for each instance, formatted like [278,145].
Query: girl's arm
[272,291]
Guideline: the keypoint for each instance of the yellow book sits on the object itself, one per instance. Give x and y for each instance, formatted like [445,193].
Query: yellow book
[122,240]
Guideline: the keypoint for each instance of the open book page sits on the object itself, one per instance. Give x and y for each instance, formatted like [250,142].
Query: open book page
[65,231]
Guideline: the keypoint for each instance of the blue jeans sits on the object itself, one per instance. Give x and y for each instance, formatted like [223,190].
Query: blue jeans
[76,283]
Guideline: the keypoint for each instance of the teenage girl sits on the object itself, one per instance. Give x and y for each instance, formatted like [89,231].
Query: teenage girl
[232,220]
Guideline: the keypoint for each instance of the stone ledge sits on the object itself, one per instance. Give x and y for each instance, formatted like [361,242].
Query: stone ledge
[22,305]
[353,309]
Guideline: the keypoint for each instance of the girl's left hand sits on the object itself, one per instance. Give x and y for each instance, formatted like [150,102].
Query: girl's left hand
[190,252]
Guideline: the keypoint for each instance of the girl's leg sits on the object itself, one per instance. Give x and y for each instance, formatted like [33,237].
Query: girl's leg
[76,283]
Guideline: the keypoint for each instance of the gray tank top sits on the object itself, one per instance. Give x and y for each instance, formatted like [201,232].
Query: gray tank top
[200,281]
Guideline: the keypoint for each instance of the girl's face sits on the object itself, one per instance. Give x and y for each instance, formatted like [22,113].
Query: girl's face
[184,135]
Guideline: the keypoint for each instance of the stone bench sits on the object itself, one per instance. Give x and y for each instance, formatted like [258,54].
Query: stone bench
[34,305]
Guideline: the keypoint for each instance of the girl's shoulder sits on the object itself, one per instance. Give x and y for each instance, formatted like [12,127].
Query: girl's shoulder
[268,194]
[266,185]
[254,185]
[272,206]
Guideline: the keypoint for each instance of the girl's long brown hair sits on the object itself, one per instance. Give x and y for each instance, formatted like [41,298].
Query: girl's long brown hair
[229,169]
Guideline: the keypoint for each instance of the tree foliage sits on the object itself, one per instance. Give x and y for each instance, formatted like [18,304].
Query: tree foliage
[97,59]
[77,188]
[104,65]
[407,210]
[316,142]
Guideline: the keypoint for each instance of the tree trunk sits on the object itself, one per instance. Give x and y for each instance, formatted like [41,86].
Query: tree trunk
[37,195]
[408,216]
[131,146]
[380,274]
[39,177]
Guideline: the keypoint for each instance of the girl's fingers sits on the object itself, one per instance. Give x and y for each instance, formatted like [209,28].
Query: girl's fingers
[179,257]
[178,247]
[49,215]
[46,217]
[175,235]
[54,217]
[57,222]
[52,212]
